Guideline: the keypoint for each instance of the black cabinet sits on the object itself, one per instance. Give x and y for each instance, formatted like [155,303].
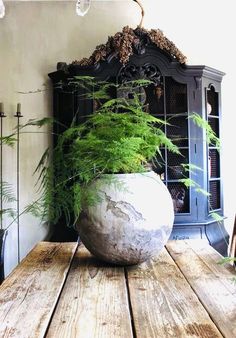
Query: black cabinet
[178,90]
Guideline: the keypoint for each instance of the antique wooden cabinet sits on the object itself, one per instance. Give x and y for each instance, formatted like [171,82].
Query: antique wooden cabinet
[178,90]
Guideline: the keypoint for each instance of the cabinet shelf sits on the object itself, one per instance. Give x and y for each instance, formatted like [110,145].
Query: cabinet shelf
[169,115]
[210,116]
[184,114]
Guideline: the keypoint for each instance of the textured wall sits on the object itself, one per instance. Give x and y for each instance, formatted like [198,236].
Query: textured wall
[35,35]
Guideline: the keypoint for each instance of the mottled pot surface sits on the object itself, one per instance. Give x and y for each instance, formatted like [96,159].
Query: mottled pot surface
[131,222]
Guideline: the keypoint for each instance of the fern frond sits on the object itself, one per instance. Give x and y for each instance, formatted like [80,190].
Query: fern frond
[120,137]
[203,124]
[39,123]
[203,191]
[10,212]
[217,217]
[8,140]
[7,192]
[188,182]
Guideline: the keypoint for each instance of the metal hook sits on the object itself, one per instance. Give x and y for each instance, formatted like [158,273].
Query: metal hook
[142,12]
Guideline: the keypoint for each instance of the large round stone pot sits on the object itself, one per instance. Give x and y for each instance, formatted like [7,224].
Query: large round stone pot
[132,220]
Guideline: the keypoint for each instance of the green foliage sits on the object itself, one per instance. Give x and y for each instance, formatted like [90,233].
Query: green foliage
[8,140]
[39,123]
[203,191]
[189,167]
[227,260]
[120,137]
[212,140]
[7,192]
[217,217]
[203,124]
[8,197]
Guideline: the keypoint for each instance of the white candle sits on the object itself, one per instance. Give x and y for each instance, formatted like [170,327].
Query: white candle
[1,107]
[18,110]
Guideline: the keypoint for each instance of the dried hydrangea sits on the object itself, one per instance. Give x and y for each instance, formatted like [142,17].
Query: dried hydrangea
[124,43]
[159,39]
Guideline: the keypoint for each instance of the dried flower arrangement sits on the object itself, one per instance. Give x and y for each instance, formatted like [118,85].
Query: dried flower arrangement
[124,43]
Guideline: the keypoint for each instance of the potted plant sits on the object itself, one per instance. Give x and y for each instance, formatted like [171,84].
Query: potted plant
[100,177]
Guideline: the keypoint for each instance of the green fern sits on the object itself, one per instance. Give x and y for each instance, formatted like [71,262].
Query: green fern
[203,124]
[7,192]
[7,197]
[120,137]
[8,140]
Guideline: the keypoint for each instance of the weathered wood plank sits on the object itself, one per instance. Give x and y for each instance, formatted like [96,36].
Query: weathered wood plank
[28,296]
[94,302]
[212,258]
[212,282]
[164,305]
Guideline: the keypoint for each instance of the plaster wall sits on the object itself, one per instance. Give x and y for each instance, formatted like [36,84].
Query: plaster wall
[35,35]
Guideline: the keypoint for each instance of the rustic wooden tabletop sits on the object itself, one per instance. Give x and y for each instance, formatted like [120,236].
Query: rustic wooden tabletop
[61,290]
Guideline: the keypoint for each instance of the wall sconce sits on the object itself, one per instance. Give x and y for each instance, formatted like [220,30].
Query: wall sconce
[2,9]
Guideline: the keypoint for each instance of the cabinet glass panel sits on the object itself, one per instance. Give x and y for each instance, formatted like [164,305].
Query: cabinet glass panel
[65,105]
[180,197]
[167,100]
[212,102]
[176,96]
[175,170]
[214,199]
[214,123]
[214,163]
[155,99]
[159,163]
[177,130]
[214,183]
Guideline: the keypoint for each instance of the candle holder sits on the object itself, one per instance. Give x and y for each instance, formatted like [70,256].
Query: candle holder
[18,111]
[18,115]
[2,115]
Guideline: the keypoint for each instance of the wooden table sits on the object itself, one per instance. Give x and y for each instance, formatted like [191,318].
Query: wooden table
[60,290]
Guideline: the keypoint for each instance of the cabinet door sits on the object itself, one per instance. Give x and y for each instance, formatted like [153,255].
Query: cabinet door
[168,100]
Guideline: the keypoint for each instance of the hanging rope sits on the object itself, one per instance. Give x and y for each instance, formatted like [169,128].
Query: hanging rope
[142,12]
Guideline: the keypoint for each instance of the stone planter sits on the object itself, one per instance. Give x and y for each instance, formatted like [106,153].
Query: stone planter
[132,220]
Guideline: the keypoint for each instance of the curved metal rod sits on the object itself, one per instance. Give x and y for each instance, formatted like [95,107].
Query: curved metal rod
[142,12]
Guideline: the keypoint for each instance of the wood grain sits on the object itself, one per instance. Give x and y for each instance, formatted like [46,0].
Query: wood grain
[212,282]
[163,303]
[94,302]
[28,296]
